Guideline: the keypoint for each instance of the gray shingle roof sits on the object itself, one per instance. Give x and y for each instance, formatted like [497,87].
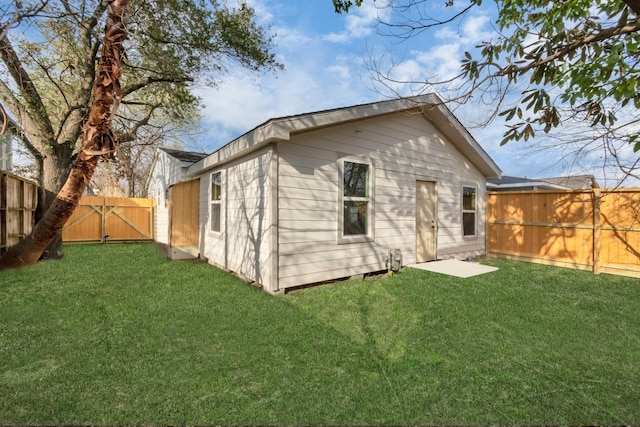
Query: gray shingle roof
[184,156]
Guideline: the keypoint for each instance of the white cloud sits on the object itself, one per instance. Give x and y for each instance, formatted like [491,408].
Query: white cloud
[474,29]
[443,61]
[325,71]
[341,72]
[446,33]
[240,104]
[359,23]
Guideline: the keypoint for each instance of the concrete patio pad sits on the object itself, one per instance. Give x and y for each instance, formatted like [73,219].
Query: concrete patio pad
[455,268]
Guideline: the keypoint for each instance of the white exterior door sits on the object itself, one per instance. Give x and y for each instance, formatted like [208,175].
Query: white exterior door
[426,221]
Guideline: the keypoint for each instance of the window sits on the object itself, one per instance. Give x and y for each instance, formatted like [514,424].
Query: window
[216,200]
[356,199]
[468,211]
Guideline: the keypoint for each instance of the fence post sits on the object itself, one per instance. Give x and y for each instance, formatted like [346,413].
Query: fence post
[103,232]
[597,226]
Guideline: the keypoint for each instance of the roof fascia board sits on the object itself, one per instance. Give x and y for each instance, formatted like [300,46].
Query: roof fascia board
[272,130]
[282,128]
[321,119]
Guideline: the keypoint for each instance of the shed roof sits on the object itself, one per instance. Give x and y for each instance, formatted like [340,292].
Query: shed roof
[281,129]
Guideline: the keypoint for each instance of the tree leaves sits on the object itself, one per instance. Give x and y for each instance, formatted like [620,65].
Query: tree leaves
[577,59]
[587,53]
[345,5]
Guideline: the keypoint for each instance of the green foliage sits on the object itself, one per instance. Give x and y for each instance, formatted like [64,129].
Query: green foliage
[172,45]
[568,59]
[345,5]
[586,52]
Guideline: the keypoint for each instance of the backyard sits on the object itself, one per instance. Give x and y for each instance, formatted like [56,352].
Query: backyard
[117,334]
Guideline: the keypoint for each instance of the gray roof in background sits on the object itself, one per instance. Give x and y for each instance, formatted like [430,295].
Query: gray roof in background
[576,181]
[567,182]
[184,156]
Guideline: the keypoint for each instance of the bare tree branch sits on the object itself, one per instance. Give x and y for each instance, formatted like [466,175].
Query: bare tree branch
[34,104]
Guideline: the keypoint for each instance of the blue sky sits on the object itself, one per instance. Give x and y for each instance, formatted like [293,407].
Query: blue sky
[326,56]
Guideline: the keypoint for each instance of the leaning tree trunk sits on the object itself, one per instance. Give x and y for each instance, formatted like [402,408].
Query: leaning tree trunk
[54,171]
[97,140]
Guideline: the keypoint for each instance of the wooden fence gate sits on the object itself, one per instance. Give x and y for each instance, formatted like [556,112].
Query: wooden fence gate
[103,219]
[18,201]
[596,230]
[184,215]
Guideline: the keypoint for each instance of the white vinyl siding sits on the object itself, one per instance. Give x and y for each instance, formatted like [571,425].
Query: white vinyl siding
[404,148]
[243,244]
[167,170]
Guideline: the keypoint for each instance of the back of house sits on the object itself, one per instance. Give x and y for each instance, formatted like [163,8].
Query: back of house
[330,194]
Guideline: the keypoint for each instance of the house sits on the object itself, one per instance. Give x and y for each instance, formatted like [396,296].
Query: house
[329,194]
[512,183]
[167,168]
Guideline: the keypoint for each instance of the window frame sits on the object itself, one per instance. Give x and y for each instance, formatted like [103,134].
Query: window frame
[473,211]
[369,236]
[217,202]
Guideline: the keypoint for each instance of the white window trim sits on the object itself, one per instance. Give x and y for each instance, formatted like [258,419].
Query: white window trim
[473,211]
[370,236]
[216,202]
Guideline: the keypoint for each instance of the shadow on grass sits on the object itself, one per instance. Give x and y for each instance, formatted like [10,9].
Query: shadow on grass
[97,339]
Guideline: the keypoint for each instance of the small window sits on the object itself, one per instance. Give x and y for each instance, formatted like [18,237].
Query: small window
[216,201]
[356,199]
[468,211]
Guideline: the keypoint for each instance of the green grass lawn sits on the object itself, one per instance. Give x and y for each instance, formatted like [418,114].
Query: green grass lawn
[117,334]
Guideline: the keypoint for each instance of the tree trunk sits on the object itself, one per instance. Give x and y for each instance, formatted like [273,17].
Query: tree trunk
[55,168]
[29,250]
[97,140]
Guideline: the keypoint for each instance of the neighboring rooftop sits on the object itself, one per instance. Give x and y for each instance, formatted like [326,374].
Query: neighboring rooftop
[511,183]
[574,182]
[184,156]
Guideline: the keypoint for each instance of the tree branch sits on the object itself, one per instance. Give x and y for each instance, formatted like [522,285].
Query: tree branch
[17,17]
[26,142]
[591,38]
[20,113]
[129,89]
[634,5]
[132,134]
[34,104]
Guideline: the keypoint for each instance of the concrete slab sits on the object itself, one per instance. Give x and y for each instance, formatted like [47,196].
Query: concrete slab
[455,268]
[189,252]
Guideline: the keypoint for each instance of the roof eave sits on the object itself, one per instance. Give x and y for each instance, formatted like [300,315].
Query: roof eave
[281,130]
[260,137]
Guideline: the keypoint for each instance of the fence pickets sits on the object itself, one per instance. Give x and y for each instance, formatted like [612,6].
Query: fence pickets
[596,230]
[18,201]
[102,219]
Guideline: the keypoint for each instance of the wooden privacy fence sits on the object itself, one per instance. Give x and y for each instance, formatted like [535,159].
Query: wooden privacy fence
[596,230]
[18,201]
[102,219]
